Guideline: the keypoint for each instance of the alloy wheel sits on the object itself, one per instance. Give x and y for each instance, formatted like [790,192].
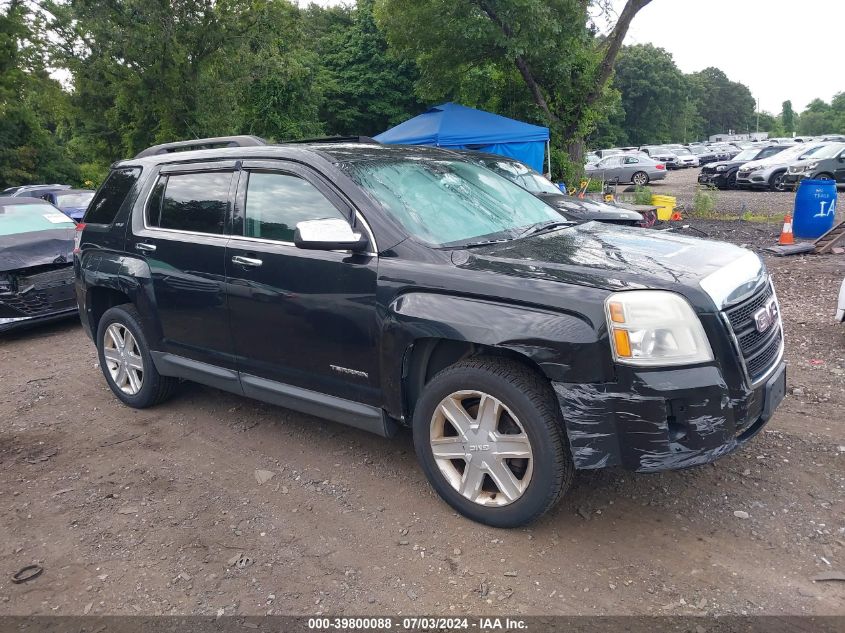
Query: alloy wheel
[481,448]
[123,359]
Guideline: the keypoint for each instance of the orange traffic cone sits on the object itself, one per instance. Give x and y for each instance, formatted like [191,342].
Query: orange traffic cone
[786,236]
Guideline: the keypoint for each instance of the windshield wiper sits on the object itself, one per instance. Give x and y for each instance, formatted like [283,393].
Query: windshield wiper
[542,227]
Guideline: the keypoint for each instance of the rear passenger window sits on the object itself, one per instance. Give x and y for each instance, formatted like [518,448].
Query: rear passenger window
[192,202]
[103,209]
[275,203]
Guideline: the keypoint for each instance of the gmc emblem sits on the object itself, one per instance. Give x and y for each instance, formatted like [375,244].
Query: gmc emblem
[766,316]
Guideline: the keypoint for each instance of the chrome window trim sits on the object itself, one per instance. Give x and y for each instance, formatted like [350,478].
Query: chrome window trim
[156,229]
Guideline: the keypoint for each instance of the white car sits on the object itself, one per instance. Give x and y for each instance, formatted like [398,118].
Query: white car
[769,173]
[840,310]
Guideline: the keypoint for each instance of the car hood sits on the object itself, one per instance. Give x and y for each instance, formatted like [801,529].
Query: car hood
[585,210]
[36,248]
[610,257]
[727,164]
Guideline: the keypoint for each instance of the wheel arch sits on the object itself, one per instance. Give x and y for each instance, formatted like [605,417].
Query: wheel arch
[106,279]
[426,332]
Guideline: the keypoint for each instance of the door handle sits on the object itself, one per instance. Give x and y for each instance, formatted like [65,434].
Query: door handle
[251,262]
[147,248]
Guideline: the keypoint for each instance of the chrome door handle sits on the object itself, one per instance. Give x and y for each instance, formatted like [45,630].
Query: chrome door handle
[147,248]
[247,261]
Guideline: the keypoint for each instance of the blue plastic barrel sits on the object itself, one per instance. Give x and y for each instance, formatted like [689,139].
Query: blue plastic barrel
[815,208]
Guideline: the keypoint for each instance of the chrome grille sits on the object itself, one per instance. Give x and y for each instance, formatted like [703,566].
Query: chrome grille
[759,350]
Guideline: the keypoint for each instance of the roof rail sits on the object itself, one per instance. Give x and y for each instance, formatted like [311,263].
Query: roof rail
[334,139]
[201,143]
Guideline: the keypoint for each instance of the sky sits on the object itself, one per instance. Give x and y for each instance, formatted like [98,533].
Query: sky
[780,49]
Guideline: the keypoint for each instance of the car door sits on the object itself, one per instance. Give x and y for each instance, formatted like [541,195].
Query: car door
[302,318]
[181,233]
[630,165]
[610,168]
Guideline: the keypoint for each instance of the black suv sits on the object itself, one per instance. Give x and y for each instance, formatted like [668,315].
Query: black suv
[385,287]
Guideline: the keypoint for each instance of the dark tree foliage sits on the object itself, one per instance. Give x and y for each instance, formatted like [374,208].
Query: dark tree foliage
[86,82]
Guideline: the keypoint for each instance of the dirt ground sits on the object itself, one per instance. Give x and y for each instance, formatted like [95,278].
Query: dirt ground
[160,511]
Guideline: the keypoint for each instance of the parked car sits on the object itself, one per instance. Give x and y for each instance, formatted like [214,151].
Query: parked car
[571,208]
[71,202]
[33,191]
[639,169]
[36,263]
[840,308]
[705,155]
[826,164]
[685,158]
[661,154]
[386,286]
[768,173]
[723,174]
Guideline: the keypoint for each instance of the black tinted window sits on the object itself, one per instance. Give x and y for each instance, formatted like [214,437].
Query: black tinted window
[103,209]
[196,202]
[275,203]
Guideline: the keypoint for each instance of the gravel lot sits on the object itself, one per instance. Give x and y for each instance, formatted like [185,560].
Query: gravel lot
[682,184]
[160,511]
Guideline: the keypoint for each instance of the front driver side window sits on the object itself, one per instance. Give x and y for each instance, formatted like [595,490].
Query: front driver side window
[275,203]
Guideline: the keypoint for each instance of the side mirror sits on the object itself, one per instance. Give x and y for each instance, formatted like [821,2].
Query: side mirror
[330,234]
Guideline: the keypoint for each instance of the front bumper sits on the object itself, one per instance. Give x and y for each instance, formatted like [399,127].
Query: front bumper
[649,421]
[38,297]
[716,180]
[792,180]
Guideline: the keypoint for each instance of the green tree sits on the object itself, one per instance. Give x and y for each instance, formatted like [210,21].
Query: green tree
[364,88]
[818,118]
[33,107]
[551,46]
[653,93]
[787,118]
[722,104]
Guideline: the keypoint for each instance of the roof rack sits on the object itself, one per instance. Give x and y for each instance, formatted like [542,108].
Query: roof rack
[334,139]
[201,143]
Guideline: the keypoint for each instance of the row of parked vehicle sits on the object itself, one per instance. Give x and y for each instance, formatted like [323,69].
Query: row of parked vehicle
[72,202]
[721,163]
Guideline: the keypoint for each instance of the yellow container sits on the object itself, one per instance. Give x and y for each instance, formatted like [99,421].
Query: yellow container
[665,206]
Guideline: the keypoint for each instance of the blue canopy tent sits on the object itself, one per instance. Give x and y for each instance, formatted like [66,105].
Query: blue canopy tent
[454,126]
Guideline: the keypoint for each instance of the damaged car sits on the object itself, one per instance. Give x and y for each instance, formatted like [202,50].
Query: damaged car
[36,263]
[570,207]
[389,286]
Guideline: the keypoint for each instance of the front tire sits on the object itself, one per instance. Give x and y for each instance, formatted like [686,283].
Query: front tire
[489,435]
[640,178]
[776,181]
[126,360]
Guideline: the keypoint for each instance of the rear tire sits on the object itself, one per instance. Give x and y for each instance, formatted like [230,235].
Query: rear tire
[477,470]
[640,178]
[126,360]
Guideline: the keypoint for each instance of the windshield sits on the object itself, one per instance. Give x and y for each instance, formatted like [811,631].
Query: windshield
[825,151]
[682,151]
[522,175]
[696,150]
[747,154]
[74,199]
[449,202]
[28,218]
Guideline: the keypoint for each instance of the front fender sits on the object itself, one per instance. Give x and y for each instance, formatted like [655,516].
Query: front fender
[564,345]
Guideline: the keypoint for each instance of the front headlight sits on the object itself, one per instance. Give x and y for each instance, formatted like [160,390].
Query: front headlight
[720,168]
[655,328]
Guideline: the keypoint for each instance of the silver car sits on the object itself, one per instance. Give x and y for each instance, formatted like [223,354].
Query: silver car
[769,173]
[638,169]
